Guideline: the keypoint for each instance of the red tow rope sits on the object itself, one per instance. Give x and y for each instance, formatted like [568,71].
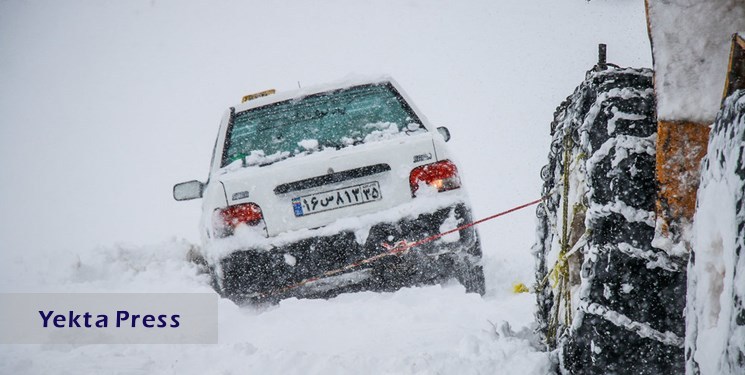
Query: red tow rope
[397,249]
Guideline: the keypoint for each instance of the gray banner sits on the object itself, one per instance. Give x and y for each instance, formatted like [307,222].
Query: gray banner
[108,318]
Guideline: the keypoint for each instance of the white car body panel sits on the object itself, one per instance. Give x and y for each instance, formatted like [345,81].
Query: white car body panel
[232,185]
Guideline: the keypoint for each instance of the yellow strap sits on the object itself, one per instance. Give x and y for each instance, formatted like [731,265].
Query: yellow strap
[559,275]
[518,288]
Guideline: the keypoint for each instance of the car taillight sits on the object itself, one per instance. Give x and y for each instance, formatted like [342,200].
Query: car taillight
[442,175]
[228,218]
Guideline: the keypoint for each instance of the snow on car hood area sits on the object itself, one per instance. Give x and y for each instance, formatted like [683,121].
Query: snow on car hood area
[106,105]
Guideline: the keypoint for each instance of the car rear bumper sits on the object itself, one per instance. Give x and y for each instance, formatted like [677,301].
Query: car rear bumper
[252,274]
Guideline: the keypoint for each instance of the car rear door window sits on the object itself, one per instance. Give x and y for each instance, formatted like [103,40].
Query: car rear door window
[336,119]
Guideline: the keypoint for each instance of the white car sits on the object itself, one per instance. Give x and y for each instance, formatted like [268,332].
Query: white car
[312,181]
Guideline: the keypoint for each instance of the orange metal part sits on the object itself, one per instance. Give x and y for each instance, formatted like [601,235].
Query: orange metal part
[680,147]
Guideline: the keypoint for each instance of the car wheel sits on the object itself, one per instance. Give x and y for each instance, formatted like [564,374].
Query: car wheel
[472,278]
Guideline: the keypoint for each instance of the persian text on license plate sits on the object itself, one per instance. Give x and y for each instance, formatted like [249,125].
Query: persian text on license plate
[330,200]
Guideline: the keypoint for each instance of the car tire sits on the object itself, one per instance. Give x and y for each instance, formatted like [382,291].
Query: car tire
[471,273]
[472,278]
[627,298]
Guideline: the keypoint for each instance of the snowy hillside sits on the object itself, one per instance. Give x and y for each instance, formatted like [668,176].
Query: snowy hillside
[105,105]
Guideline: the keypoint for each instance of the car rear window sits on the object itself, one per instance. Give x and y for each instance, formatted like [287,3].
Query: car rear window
[334,119]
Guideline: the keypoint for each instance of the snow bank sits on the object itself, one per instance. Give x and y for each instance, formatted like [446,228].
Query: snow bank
[716,274]
[121,268]
[690,44]
[405,333]
[437,329]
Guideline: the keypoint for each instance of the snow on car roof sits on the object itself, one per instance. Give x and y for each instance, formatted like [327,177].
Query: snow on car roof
[690,46]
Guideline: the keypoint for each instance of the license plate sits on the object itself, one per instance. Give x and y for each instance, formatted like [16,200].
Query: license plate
[333,199]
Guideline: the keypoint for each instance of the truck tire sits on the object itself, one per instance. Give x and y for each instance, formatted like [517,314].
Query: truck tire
[716,272]
[621,308]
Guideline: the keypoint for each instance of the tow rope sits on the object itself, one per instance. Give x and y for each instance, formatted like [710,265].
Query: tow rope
[399,248]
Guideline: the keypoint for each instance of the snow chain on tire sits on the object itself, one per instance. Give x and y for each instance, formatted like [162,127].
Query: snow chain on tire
[625,298]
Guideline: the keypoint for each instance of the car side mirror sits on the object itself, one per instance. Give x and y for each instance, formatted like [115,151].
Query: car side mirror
[444,132]
[188,190]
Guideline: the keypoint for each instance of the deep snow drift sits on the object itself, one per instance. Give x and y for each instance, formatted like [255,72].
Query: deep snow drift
[437,329]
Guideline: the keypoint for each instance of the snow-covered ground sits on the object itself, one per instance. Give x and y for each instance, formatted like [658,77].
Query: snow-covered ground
[106,104]
[438,329]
